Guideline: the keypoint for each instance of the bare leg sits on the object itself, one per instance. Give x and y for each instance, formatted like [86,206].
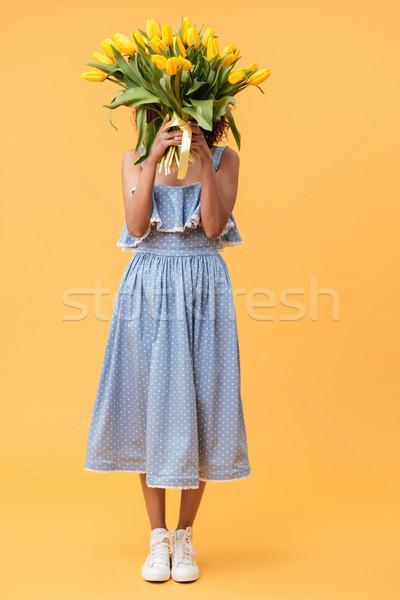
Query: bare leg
[155,503]
[190,502]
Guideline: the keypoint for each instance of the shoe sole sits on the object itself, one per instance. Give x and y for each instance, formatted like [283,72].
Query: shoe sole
[156,577]
[184,578]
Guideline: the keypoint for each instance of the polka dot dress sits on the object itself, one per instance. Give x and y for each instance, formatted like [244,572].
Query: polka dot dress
[168,401]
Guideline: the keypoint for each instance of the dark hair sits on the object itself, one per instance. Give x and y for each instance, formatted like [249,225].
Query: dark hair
[219,130]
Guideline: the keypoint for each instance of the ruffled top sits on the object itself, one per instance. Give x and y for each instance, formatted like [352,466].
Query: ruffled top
[176,209]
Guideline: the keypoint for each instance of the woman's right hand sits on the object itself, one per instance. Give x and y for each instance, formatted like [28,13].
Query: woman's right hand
[164,138]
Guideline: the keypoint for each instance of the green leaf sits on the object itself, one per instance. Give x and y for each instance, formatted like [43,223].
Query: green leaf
[220,106]
[133,97]
[177,83]
[151,132]
[224,74]
[144,81]
[145,66]
[202,111]
[204,67]
[228,88]
[161,93]
[107,68]
[232,124]
[180,29]
[109,116]
[173,102]
[196,86]
[123,65]
[141,125]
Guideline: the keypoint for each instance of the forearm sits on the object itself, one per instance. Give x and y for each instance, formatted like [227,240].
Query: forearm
[139,208]
[213,210]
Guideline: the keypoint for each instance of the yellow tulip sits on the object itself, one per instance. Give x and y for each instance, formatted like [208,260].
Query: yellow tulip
[106,45]
[179,48]
[227,49]
[209,33]
[126,45]
[212,48]
[132,39]
[185,29]
[166,35]
[259,77]
[183,62]
[252,67]
[159,61]
[186,65]
[138,39]
[236,76]
[94,75]
[232,56]
[152,29]
[103,59]
[193,37]
[172,65]
[117,35]
[157,44]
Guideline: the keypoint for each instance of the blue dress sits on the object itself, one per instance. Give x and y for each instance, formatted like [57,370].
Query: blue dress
[168,401]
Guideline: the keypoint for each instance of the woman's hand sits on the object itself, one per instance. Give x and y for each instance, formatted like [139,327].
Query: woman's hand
[164,139]
[198,143]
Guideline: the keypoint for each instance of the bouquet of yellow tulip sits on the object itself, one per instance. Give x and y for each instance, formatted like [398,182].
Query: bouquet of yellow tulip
[184,75]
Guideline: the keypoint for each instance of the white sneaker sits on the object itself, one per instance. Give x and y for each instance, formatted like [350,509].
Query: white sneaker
[157,566]
[184,567]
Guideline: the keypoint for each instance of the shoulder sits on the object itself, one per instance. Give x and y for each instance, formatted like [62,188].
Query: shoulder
[130,172]
[229,159]
[128,161]
[130,156]
[230,155]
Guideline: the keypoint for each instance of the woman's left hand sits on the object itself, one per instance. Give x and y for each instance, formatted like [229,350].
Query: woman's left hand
[198,143]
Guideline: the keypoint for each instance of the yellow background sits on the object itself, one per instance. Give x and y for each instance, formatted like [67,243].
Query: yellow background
[318,202]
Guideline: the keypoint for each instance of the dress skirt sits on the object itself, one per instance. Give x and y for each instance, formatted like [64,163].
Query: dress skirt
[168,402]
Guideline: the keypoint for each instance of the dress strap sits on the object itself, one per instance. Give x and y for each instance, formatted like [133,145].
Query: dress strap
[217,156]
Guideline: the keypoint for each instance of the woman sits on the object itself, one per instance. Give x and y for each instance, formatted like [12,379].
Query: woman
[168,404]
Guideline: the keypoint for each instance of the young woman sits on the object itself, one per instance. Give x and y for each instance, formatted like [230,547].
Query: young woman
[168,404]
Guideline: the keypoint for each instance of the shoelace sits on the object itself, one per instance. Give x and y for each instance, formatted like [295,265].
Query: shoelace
[183,548]
[159,550]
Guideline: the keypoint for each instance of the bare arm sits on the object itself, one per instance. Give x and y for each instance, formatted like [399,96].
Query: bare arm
[138,205]
[218,189]
[218,192]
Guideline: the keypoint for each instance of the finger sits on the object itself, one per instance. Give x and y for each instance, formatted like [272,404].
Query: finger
[172,134]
